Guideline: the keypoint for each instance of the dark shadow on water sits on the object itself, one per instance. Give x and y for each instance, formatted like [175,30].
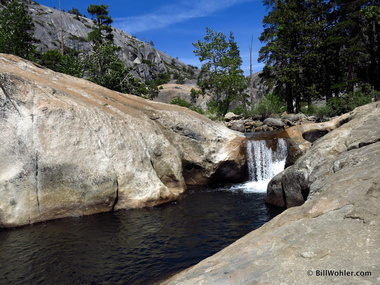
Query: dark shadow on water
[131,247]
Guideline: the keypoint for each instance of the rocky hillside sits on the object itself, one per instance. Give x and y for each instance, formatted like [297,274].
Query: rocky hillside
[70,147]
[146,60]
[333,237]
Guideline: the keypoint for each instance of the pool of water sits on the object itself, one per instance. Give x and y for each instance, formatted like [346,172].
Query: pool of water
[131,247]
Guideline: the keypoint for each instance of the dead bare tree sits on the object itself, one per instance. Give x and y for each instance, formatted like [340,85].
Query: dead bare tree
[250,85]
[61,29]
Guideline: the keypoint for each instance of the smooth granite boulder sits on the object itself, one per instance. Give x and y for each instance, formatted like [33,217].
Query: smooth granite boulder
[69,147]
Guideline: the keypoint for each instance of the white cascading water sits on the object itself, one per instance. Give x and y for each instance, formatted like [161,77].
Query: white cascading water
[264,163]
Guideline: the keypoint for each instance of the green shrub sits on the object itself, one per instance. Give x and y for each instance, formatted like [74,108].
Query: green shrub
[195,94]
[321,112]
[163,78]
[270,104]
[240,110]
[181,102]
[147,61]
[213,111]
[345,103]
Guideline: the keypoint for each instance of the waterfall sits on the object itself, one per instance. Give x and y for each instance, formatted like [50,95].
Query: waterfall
[265,159]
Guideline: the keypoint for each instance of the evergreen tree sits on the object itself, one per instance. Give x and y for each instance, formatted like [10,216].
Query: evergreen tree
[70,63]
[102,64]
[320,48]
[102,30]
[280,34]
[220,73]
[16,29]
[76,12]
[104,68]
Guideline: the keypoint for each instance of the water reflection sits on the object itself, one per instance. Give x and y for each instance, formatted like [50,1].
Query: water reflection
[130,247]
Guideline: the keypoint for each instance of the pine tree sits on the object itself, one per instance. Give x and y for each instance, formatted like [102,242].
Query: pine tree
[320,48]
[281,52]
[220,73]
[102,30]
[16,30]
[371,30]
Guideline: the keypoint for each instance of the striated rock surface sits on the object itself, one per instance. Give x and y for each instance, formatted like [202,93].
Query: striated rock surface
[70,147]
[333,238]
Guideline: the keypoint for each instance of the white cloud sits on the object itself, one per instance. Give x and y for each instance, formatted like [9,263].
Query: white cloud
[167,15]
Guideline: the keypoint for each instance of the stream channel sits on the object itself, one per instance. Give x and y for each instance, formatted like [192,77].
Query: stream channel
[146,245]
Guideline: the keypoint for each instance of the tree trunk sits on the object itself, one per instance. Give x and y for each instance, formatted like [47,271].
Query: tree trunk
[289,98]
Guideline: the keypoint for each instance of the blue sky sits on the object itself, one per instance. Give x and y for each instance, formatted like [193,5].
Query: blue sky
[173,25]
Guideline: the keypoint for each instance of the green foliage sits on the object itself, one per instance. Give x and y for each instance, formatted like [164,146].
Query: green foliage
[104,68]
[162,78]
[179,78]
[270,104]
[346,103]
[322,112]
[52,59]
[75,12]
[241,110]
[320,49]
[349,101]
[71,63]
[147,61]
[194,94]
[181,102]
[16,30]
[220,73]
[102,30]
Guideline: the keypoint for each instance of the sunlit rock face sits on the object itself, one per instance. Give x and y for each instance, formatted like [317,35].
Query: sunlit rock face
[70,147]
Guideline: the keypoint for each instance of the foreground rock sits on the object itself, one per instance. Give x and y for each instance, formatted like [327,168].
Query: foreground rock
[336,231]
[70,147]
[355,130]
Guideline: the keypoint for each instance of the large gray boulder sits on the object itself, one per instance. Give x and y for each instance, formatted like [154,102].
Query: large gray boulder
[70,147]
[333,237]
[274,122]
